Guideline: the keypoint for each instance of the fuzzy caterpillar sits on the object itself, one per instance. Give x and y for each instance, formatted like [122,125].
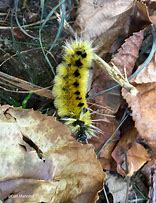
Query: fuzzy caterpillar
[70,88]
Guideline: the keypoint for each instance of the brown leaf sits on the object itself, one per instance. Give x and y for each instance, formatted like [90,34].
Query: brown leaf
[149,171]
[18,34]
[147,10]
[128,53]
[129,155]
[143,9]
[105,106]
[148,74]
[143,107]
[117,187]
[42,162]
[105,157]
[108,101]
[97,19]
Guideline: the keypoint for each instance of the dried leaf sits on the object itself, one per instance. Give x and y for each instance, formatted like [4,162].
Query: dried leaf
[149,171]
[143,113]
[143,9]
[97,19]
[148,74]
[104,107]
[108,101]
[128,53]
[105,157]
[42,162]
[129,155]
[18,34]
[117,187]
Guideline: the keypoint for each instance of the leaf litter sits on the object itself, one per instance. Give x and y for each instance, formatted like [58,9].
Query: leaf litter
[61,174]
[39,157]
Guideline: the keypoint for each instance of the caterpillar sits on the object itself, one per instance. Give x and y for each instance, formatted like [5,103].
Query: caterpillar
[70,88]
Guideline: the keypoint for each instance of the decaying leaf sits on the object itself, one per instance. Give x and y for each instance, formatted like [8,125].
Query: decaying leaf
[129,155]
[142,7]
[147,10]
[126,189]
[41,162]
[117,187]
[148,74]
[143,107]
[105,100]
[97,19]
[128,53]
[149,171]
[104,107]
[105,157]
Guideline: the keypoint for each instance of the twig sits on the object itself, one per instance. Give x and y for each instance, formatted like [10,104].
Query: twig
[116,75]
[19,83]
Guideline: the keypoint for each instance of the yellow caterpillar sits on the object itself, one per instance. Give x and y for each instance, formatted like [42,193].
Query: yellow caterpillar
[70,88]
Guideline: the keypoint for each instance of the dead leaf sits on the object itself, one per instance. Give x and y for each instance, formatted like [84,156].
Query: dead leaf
[149,171]
[108,101]
[129,155]
[143,107]
[117,187]
[41,161]
[125,189]
[142,7]
[147,10]
[104,107]
[128,53]
[148,74]
[18,34]
[105,157]
[97,19]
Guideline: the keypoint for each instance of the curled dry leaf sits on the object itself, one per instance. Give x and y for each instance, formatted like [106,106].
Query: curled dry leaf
[147,10]
[41,161]
[105,157]
[143,9]
[129,155]
[148,74]
[143,107]
[128,53]
[97,19]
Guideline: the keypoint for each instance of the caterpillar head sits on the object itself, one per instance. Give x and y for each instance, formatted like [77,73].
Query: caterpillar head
[81,133]
[81,130]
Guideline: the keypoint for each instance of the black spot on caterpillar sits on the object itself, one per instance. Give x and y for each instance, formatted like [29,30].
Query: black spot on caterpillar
[78,63]
[76,73]
[78,98]
[80,104]
[80,53]
[76,84]
[77,92]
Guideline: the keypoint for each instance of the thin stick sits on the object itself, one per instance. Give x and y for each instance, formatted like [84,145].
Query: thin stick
[116,75]
[19,83]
